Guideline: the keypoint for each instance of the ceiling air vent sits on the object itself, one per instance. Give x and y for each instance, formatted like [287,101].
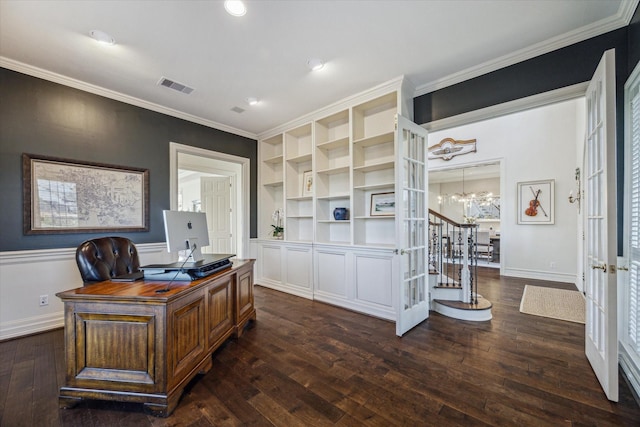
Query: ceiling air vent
[237,110]
[175,85]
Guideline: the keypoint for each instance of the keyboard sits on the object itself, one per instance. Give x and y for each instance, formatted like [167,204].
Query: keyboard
[209,269]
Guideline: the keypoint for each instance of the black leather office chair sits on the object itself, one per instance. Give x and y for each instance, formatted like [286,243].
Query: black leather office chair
[106,257]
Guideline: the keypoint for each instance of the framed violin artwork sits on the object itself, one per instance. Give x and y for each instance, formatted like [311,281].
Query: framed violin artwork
[536,202]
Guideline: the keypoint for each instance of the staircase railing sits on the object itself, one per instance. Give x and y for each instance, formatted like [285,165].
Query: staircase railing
[453,254]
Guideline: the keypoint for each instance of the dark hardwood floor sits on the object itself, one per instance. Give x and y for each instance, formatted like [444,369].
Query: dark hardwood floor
[306,363]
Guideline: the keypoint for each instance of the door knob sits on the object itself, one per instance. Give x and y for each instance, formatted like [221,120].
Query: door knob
[602,267]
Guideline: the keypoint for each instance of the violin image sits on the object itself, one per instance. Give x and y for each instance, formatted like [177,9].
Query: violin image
[534,204]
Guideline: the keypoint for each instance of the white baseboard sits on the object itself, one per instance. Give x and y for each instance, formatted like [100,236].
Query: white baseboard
[540,275]
[278,286]
[31,325]
[379,311]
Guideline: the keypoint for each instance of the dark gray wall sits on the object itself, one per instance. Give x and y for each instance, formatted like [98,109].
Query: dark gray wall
[634,40]
[560,68]
[563,67]
[45,118]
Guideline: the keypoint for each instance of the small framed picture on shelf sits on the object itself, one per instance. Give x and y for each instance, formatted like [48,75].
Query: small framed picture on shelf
[307,184]
[383,204]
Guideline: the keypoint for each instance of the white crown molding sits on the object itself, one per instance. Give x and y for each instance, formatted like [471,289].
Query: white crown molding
[394,84]
[621,19]
[107,93]
[627,9]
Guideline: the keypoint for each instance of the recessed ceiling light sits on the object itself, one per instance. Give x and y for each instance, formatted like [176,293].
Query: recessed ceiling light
[252,101]
[235,7]
[102,37]
[315,64]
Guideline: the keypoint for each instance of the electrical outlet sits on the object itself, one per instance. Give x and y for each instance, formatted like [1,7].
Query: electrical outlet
[44,300]
[552,265]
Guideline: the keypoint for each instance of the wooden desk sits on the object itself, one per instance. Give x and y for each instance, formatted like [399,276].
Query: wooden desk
[125,342]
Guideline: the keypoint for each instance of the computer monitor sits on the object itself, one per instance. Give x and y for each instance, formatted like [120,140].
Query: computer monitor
[186,233]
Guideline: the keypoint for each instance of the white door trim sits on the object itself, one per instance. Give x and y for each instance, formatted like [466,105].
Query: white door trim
[242,212]
[551,97]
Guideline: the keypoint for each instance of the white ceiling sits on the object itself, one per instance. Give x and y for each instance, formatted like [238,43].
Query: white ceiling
[264,54]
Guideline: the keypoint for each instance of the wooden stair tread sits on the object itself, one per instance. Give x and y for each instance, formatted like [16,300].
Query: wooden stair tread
[483,304]
[448,286]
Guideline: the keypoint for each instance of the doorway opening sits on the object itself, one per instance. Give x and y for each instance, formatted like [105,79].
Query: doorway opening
[217,184]
[470,194]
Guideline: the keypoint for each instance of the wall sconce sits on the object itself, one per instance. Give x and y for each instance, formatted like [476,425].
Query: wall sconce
[578,197]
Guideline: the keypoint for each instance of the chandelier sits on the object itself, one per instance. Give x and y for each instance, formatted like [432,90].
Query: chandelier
[482,198]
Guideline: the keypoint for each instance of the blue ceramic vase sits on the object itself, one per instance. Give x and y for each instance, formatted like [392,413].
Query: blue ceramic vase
[340,214]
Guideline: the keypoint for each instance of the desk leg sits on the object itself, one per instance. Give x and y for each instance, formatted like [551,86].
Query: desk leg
[239,328]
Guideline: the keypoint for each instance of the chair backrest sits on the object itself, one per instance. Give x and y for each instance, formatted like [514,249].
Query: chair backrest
[483,238]
[106,257]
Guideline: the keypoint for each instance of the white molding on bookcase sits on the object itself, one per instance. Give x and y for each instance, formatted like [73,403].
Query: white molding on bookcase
[398,83]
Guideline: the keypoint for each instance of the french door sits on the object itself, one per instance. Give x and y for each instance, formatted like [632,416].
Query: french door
[601,337]
[411,216]
[629,267]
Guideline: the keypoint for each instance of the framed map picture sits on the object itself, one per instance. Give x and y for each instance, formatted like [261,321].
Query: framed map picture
[67,196]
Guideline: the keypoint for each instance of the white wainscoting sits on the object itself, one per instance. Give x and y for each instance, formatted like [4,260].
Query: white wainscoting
[25,275]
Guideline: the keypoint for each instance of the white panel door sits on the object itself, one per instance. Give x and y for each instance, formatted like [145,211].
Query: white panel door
[216,203]
[411,232]
[601,336]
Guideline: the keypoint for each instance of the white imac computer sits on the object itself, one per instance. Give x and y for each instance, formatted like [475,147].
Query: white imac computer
[186,233]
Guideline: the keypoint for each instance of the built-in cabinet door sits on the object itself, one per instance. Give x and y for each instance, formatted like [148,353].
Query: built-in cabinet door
[286,267]
[601,333]
[411,233]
